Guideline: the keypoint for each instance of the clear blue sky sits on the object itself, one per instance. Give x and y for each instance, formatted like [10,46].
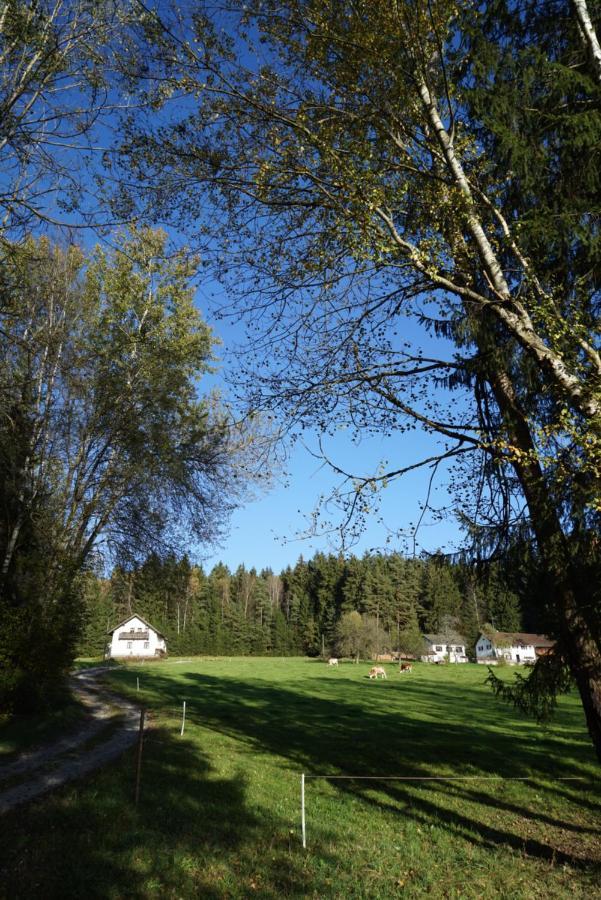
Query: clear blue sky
[267,532]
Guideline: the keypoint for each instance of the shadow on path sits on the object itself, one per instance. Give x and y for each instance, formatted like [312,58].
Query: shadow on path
[192,835]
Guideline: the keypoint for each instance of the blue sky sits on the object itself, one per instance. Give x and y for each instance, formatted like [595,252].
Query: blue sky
[268,531]
[265,533]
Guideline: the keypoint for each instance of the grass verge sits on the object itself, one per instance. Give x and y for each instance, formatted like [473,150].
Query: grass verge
[219,808]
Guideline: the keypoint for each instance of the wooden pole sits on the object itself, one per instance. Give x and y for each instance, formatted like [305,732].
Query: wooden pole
[303,824]
[137,684]
[139,756]
[183,720]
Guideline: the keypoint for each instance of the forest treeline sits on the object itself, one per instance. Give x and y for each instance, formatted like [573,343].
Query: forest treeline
[300,610]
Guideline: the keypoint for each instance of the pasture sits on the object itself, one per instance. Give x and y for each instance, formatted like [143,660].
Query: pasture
[219,811]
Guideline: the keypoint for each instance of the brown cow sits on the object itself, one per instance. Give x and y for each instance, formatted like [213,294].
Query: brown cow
[377,672]
[406,667]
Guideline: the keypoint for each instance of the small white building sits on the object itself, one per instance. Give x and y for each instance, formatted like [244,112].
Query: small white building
[443,648]
[514,647]
[135,637]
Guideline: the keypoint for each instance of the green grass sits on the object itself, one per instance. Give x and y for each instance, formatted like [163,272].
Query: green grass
[219,809]
[22,733]
[91,662]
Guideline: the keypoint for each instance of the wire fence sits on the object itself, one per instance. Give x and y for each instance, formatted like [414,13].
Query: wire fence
[182,716]
[412,778]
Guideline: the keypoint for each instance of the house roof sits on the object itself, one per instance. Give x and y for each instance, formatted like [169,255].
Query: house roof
[452,638]
[515,638]
[135,616]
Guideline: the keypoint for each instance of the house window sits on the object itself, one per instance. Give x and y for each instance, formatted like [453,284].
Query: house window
[129,645]
[146,645]
[438,649]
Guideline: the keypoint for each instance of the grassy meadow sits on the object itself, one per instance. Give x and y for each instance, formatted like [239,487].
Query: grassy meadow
[219,811]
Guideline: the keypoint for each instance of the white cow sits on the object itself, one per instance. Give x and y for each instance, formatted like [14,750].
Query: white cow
[333,661]
[377,672]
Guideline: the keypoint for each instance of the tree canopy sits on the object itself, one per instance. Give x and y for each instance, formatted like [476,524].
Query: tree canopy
[58,94]
[309,608]
[372,161]
[106,445]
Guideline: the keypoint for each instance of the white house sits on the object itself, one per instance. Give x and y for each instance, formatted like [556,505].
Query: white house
[440,648]
[513,646]
[136,637]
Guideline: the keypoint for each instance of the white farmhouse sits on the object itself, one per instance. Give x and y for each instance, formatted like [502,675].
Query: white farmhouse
[513,646]
[135,637]
[441,648]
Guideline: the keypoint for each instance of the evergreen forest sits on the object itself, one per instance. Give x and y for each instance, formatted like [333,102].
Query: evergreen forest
[308,608]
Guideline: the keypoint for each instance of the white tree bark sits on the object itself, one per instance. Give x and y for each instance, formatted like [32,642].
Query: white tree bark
[513,314]
[589,35]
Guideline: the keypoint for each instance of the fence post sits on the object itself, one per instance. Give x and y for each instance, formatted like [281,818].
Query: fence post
[303,825]
[139,757]
[183,719]
[138,684]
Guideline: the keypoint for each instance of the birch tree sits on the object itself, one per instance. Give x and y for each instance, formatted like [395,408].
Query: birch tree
[368,161]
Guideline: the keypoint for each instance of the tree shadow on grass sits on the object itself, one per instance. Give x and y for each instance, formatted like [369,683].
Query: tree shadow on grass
[192,835]
[417,726]
[428,803]
[415,730]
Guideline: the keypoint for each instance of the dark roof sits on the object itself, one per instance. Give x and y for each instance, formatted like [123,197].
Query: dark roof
[135,616]
[132,635]
[445,639]
[515,638]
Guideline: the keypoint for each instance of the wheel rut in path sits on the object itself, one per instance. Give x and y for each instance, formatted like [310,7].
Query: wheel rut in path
[47,765]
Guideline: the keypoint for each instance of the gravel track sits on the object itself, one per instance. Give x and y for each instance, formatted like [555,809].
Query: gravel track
[46,764]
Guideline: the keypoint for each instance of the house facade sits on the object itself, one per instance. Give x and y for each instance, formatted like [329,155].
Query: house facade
[135,637]
[444,648]
[516,648]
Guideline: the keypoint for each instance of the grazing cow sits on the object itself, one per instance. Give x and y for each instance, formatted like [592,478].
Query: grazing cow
[377,672]
[406,667]
[333,662]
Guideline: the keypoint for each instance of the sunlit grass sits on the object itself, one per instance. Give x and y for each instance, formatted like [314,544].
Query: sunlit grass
[219,813]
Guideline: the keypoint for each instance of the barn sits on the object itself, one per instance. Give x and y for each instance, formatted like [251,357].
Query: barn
[135,637]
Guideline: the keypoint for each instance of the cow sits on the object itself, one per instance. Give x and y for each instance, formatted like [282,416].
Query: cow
[333,661]
[377,672]
[406,667]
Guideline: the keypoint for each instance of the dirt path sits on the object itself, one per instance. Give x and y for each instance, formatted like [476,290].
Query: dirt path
[54,764]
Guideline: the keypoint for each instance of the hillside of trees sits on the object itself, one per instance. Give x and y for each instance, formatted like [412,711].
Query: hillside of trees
[304,609]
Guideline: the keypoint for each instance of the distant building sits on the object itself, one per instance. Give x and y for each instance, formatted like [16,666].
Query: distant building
[514,647]
[445,648]
[135,637]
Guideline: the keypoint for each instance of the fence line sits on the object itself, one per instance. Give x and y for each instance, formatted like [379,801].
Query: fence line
[440,777]
[377,778]
[380,778]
